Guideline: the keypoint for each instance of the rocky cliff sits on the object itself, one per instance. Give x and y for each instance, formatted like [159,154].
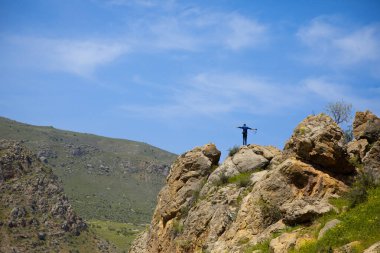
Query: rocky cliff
[259,192]
[35,214]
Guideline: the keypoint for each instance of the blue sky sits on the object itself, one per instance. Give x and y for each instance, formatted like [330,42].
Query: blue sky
[179,74]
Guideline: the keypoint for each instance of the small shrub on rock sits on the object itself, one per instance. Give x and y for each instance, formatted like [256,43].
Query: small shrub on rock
[232,151]
[271,213]
[358,193]
[177,228]
[242,179]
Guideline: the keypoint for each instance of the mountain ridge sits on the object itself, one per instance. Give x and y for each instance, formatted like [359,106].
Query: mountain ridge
[105,178]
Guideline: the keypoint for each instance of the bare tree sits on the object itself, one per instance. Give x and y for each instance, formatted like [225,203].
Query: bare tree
[340,111]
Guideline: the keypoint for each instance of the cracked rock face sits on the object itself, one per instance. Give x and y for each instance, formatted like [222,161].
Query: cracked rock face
[320,141]
[365,148]
[198,211]
[366,126]
[254,193]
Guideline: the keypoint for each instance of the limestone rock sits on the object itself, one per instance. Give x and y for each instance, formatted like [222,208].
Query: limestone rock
[266,151]
[358,148]
[348,248]
[366,126]
[200,209]
[247,160]
[320,141]
[284,242]
[372,161]
[186,178]
[301,211]
[375,248]
[212,153]
[329,225]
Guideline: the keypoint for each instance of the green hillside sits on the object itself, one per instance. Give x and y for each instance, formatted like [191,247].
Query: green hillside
[104,178]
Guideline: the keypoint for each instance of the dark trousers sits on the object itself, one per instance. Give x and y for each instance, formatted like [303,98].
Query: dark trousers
[245,139]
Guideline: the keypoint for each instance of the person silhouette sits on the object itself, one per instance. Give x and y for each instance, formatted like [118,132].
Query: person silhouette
[245,132]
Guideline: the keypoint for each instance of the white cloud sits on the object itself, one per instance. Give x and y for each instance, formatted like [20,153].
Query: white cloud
[244,32]
[79,57]
[196,30]
[217,94]
[340,45]
[330,91]
[142,3]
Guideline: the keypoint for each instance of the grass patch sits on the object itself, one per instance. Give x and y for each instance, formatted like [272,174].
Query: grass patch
[177,228]
[119,234]
[242,179]
[361,223]
[263,247]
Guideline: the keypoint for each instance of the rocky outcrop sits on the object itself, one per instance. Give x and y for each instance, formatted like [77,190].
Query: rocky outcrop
[320,141]
[283,242]
[371,161]
[32,204]
[366,126]
[250,196]
[365,148]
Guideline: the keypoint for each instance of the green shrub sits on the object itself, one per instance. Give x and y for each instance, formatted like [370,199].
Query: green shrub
[223,179]
[358,193]
[232,151]
[271,213]
[263,247]
[242,179]
[177,228]
[355,161]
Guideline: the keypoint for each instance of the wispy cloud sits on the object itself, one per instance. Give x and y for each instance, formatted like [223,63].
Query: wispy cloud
[80,57]
[182,29]
[195,29]
[336,44]
[211,95]
[217,94]
[142,3]
[330,91]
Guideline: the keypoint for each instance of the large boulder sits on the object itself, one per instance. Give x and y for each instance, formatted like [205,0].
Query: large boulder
[366,126]
[247,160]
[372,162]
[186,178]
[320,141]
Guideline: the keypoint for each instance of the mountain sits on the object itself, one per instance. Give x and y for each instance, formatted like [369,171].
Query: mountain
[35,214]
[104,178]
[319,194]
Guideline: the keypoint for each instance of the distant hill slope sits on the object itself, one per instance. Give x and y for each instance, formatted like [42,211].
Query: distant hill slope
[104,178]
[35,214]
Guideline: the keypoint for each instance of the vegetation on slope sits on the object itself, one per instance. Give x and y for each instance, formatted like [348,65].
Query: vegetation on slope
[360,224]
[104,178]
[119,234]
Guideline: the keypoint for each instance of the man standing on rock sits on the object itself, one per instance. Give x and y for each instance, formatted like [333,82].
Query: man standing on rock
[245,132]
